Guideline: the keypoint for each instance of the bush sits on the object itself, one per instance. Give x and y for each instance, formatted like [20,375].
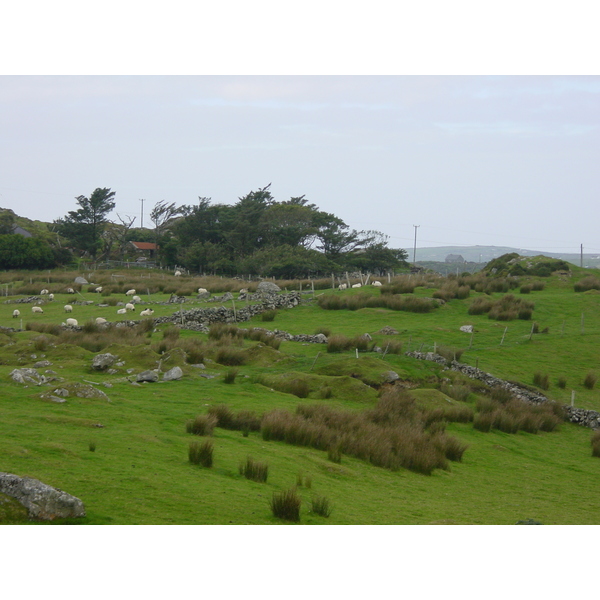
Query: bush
[590,381]
[230,376]
[268,315]
[457,392]
[286,505]
[230,356]
[587,283]
[171,333]
[321,506]
[201,425]
[253,470]
[562,383]
[541,380]
[201,453]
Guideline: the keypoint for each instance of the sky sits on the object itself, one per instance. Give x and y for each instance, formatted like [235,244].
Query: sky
[470,160]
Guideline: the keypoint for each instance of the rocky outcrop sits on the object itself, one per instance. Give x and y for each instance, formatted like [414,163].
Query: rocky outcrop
[101,362]
[268,286]
[579,416]
[173,374]
[42,501]
[147,376]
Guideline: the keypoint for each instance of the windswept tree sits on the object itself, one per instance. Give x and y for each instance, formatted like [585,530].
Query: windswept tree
[83,228]
[161,215]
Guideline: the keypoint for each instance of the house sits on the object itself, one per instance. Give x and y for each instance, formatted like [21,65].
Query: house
[20,231]
[454,258]
[145,249]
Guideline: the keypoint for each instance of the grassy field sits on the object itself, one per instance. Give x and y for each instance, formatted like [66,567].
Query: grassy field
[127,458]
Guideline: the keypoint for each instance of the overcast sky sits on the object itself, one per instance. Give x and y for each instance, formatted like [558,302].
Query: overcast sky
[488,160]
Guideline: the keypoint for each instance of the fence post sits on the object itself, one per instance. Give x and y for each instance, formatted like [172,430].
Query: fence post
[505,330]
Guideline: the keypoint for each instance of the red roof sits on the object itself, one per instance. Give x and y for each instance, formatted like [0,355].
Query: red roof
[144,245]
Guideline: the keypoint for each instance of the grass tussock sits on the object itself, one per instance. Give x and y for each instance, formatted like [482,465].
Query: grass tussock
[243,420]
[391,302]
[201,425]
[456,391]
[590,381]
[542,380]
[230,376]
[201,453]
[507,308]
[268,315]
[450,353]
[587,283]
[595,441]
[254,470]
[320,505]
[286,505]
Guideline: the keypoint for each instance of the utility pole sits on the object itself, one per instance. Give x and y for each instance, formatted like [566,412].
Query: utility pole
[142,219]
[415,249]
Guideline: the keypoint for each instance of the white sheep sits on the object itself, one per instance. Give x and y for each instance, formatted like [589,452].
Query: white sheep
[101,321]
[130,293]
[70,291]
[50,297]
[357,285]
[43,292]
[177,274]
[71,323]
[343,286]
[376,283]
[129,306]
[98,289]
[16,313]
[205,291]
[68,308]
[37,309]
[147,312]
[122,311]
[136,299]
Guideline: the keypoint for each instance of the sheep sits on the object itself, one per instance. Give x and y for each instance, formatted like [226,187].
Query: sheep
[177,274]
[70,291]
[147,312]
[122,311]
[357,285]
[343,286]
[376,283]
[71,323]
[130,293]
[205,291]
[129,306]
[51,297]
[136,299]
[16,313]
[43,292]
[68,308]
[101,321]
[37,310]
[98,289]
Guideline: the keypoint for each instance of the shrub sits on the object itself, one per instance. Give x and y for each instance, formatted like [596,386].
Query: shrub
[393,347]
[171,333]
[457,392]
[254,470]
[268,315]
[450,353]
[338,343]
[223,416]
[526,289]
[230,356]
[541,380]
[201,453]
[562,383]
[286,505]
[587,283]
[92,446]
[590,381]
[483,421]
[321,506]
[201,425]
[230,376]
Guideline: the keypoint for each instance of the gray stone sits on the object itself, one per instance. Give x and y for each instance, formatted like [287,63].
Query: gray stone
[27,376]
[42,501]
[268,286]
[173,374]
[101,362]
[81,280]
[467,328]
[390,376]
[61,392]
[41,364]
[203,295]
[149,376]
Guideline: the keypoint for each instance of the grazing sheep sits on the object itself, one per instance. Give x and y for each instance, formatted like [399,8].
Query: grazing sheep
[37,309]
[177,274]
[68,308]
[50,297]
[71,323]
[122,311]
[98,289]
[43,292]
[376,283]
[136,299]
[70,291]
[147,312]
[129,306]
[357,285]
[130,293]
[16,313]
[343,286]
[205,291]
[101,321]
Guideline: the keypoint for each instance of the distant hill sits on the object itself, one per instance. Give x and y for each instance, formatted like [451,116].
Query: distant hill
[483,254]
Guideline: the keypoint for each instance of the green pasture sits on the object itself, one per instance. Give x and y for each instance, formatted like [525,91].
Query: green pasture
[139,472]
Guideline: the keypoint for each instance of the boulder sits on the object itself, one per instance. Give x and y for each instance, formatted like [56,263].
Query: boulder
[42,501]
[81,280]
[390,376]
[467,328]
[203,295]
[268,286]
[149,376]
[173,374]
[101,362]
[27,376]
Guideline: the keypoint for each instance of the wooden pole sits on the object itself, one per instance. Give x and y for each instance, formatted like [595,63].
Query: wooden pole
[502,340]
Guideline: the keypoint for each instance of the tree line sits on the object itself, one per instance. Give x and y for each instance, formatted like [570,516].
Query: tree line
[256,235]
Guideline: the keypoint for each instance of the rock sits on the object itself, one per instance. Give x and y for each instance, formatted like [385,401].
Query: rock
[81,280]
[149,376]
[61,392]
[268,286]
[203,295]
[387,330]
[467,328]
[27,376]
[101,362]
[42,501]
[390,376]
[173,374]
[41,364]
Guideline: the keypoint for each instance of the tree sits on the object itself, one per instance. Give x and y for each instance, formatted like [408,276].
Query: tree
[161,215]
[83,228]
